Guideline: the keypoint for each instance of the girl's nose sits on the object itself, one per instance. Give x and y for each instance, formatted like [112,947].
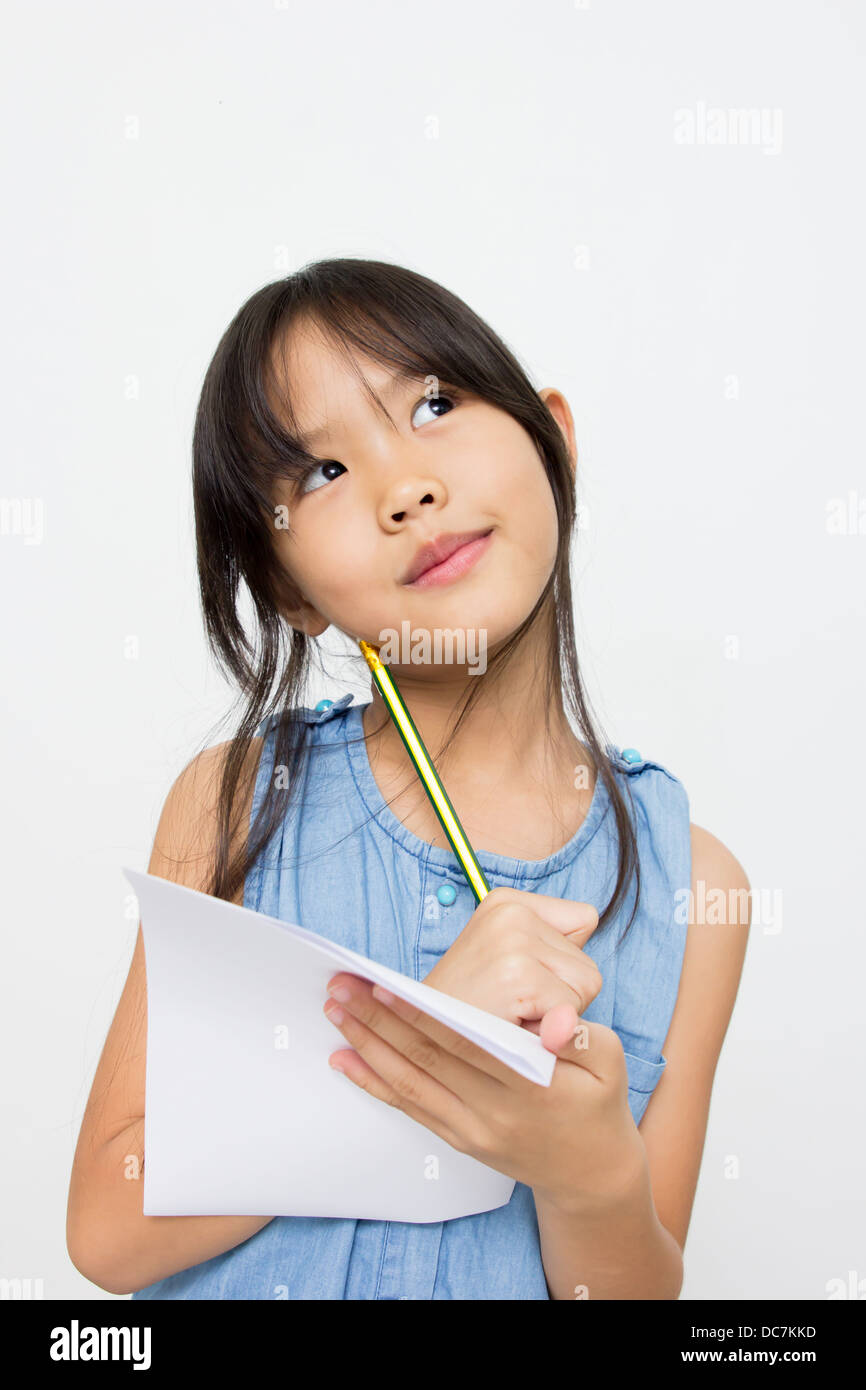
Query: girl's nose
[410,497]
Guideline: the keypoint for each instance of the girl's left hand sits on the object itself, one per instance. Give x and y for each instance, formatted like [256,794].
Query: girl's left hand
[572,1141]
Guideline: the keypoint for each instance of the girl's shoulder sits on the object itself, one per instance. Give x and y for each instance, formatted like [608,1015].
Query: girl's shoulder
[320,713]
[646,780]
[659,804]
[631,764]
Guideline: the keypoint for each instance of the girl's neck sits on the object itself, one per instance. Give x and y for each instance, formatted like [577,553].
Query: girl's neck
[514,792]
[503,740]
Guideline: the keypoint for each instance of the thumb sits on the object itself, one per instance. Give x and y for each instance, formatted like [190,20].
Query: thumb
[593,1046]
[558,1027]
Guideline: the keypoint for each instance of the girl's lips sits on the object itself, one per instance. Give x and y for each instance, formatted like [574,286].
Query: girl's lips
[456,564]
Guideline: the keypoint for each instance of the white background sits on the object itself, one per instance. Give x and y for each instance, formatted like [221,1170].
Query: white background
[702,308]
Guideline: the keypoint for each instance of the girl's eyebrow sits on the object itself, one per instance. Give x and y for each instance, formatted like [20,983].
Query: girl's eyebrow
[310,439]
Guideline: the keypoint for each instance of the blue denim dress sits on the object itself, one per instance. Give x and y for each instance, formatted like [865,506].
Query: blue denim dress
[344,865]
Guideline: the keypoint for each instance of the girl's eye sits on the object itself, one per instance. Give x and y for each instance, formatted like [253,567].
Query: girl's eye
[306,483]
[432,403]
[310,482]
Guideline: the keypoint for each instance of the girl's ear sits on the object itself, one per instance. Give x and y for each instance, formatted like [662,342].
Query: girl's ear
[313,625]
[561,412]
[307,619]
[298,613]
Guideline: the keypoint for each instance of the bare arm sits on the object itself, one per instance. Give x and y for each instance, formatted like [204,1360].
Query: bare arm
[108,1237]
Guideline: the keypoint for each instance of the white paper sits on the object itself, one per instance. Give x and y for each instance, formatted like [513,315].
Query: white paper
[243,1115]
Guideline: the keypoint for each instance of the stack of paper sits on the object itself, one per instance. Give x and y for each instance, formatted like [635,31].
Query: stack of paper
[243,1115]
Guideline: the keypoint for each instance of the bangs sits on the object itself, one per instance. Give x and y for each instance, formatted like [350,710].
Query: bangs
[413,333]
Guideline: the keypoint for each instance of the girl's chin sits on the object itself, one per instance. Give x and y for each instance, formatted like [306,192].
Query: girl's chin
[432,626]
[448,648]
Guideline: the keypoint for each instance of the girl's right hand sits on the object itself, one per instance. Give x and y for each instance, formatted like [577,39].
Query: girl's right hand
[521,954]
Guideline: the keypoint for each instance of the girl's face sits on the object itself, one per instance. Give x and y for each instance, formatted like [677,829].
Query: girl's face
[448,464]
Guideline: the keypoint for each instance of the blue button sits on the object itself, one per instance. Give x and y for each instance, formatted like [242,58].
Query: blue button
[324,704]
[446,894]
[631,755]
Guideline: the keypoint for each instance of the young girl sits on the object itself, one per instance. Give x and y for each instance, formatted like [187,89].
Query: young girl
[369,455]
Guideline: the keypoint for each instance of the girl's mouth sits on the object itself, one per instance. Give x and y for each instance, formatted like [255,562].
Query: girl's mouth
[455,566]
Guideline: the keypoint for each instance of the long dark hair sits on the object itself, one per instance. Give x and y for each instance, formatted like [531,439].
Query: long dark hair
[241,449]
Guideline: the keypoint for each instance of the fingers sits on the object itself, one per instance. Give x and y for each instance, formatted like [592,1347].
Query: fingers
[558,1027]
[592,1046]
[589,1045]
[578,972]
[546,986]
[575,921]
[572,976]
[454,1052]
